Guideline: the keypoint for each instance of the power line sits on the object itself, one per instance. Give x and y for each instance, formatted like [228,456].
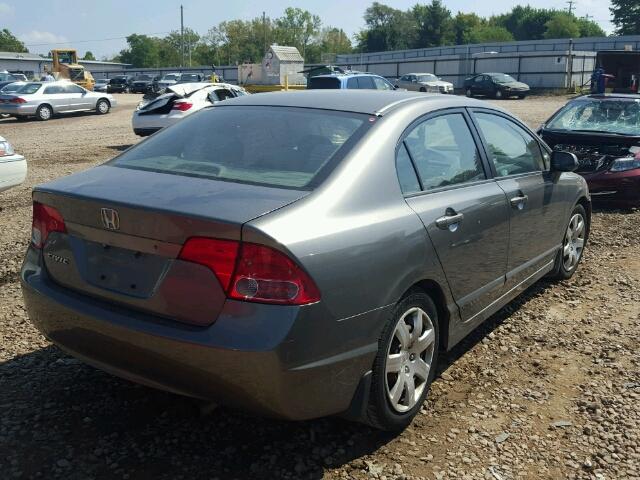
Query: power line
[89,41]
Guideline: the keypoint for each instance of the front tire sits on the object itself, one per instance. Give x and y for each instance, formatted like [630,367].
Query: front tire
[573,244]
[498,95]
[405,364]
[102,107]
[44,113]
[468,93]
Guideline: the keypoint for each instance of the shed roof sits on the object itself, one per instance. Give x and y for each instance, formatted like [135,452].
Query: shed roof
[287,54]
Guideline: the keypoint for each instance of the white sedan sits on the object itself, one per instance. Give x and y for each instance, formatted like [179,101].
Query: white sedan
[178,102]
[13,167]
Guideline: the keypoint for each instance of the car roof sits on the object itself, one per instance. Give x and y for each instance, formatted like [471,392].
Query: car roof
[347,74]
[605,96]
[373,102]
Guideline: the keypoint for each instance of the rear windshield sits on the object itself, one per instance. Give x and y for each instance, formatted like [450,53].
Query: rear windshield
[190,76]
[272,146]
[323,83]
[171,76]
[29,88]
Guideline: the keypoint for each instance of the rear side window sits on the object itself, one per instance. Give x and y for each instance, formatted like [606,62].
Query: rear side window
[53,89]
[323,83]
[444,152]
[511,148]
[406,173]
[274,146]
[366,83]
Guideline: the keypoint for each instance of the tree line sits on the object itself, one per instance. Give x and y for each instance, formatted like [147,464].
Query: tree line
[386,28]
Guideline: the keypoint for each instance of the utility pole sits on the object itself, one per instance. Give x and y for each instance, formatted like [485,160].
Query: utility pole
[571,3]
[264,33]
[181,36]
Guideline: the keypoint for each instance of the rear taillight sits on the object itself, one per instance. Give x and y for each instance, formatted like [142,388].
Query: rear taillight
[251,272]
[267,275]
[182,106]
[219,255]
[17,100]
[46,219]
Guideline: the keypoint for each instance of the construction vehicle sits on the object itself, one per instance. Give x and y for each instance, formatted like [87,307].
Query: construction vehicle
[66,67]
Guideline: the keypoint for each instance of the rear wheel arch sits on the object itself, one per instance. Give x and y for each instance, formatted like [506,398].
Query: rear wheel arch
[436,293]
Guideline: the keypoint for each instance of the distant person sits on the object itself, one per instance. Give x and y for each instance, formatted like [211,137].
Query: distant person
[47,77]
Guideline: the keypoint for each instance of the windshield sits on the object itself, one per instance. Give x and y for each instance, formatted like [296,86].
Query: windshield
[427,78]
[171,76]
[609,116]
[503,78]
[323,83]
[273,146]
[29,88]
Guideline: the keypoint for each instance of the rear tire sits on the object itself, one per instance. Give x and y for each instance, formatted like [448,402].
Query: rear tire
[102,107]
[498,95]
[405,364]
[574,241]
[469,93]
[44,113]
[423,90]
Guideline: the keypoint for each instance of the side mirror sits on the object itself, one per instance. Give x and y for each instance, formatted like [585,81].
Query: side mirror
[563,162]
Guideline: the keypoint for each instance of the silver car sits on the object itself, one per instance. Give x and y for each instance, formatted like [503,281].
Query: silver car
[167,80]
[43,100]
[101,85]
[303,254]
[424,82]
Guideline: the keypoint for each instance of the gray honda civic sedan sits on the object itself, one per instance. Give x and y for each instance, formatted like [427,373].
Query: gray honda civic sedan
[302,254]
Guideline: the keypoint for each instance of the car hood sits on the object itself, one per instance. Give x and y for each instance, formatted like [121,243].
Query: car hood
[514,85]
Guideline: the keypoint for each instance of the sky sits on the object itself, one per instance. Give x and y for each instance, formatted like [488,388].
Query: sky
[100,26]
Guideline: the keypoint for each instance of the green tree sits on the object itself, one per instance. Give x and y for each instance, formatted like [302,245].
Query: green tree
[143,51]
[589,28]
[297,27]
[463,24]
[88,56]
[9,43]
[489,33]
[562,25]
[525,23]
[434,25]
[177,42]
[386,28]
[626,16]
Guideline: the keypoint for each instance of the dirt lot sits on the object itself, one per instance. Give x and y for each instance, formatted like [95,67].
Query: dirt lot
[547,388]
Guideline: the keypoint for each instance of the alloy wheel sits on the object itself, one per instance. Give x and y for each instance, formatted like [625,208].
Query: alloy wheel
[409,359]
[573,242]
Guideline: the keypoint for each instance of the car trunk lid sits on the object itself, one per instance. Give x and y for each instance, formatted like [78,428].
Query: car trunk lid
[125,229]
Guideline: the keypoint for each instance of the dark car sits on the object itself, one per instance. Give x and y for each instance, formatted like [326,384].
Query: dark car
[302,254]
[141,84]
[496,85]
[119,84]
[358,81]
[603,131]
[6,78]
[190,78]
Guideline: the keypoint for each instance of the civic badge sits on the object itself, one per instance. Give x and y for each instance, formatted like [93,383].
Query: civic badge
[110,218]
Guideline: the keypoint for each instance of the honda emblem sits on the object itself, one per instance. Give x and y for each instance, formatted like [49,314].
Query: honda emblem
[110,218]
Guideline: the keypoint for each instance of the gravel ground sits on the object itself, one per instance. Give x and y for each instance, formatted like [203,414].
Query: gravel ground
[547,388]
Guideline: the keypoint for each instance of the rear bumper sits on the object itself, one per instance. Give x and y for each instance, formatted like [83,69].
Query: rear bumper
[145,132]
[18,109]
[262,358]
[615,187]
[13,171]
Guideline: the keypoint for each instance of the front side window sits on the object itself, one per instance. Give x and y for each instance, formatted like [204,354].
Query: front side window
[73,89]
[273,146]
[479,79]
[444,152]
[510,147]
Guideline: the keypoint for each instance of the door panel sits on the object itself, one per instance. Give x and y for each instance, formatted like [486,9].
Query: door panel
[535,203]
[473,252]
[465,215]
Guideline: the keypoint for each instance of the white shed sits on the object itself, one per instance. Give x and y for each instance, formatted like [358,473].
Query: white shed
[280,62]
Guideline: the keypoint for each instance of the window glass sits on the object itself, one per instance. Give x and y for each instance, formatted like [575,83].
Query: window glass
[404,78]
[29,88]
[366,83]
[316,83]
[53,90]
[444,152]
[283,147]
[511,148]
[406,173]
[72,89]
[382,84]
[479,79]
[352,83]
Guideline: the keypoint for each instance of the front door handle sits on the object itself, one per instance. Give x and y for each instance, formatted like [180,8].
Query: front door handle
[519,201]
[450,220]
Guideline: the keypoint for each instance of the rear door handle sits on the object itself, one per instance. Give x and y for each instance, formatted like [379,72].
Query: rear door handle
[519,201]
[449,221]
